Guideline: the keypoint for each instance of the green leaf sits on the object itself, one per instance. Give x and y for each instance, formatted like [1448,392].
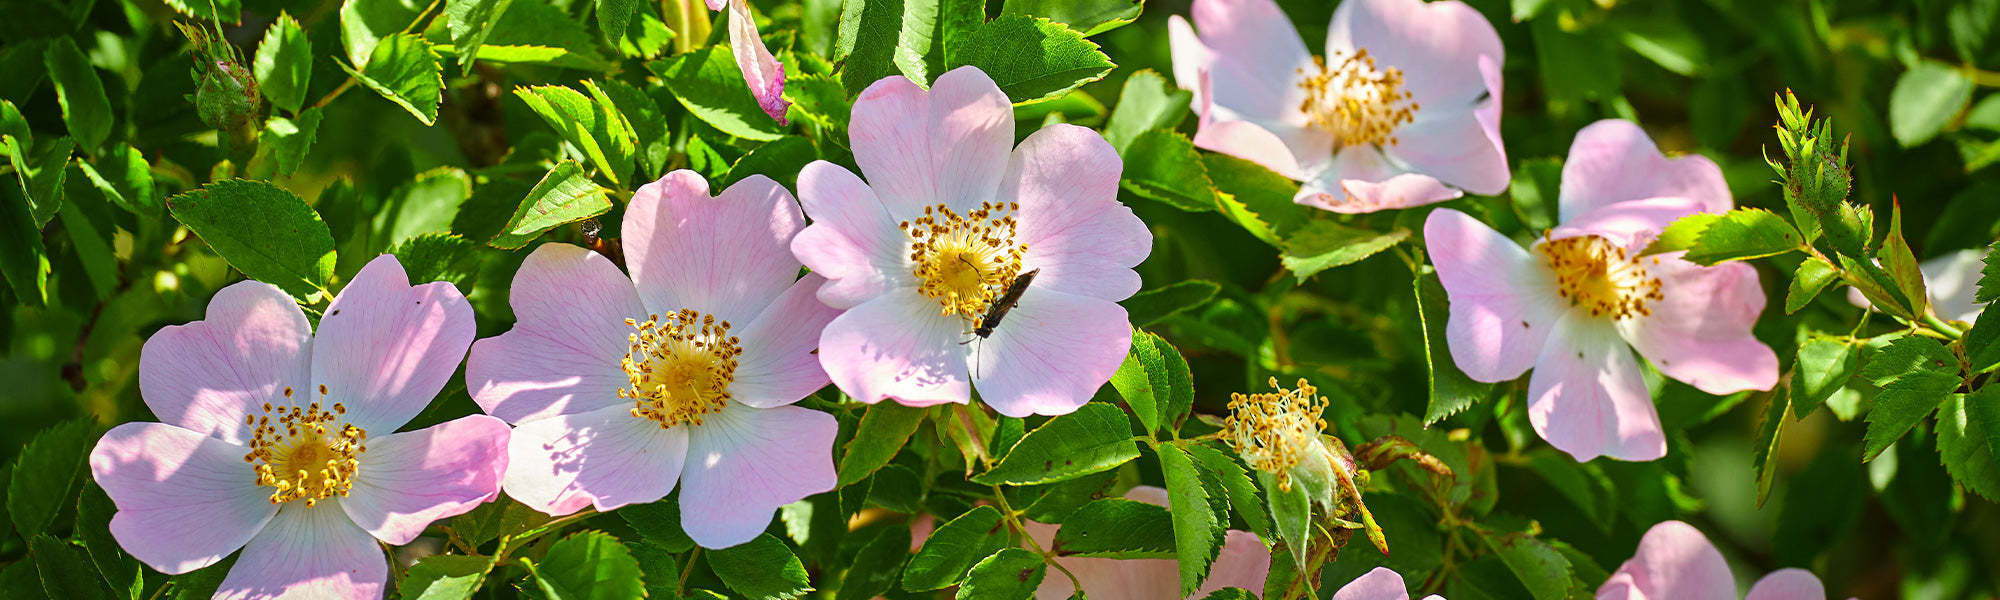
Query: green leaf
[1057,501]
[531,33]
[64,574]
[1769,430]
[439,256]
[1088,17]
[880,38]
[1824,366]
[1909,354]
[1230,594]
[85,108]
[125,178]
[1095,438]
[649,127]
[42,180]
[263,230]
[1291,514]
[1162,164]
[954,548]
[290,139]
[45,475]
[1813,275]
[761,569]
[1989,277]
[1681,234]
[876,565]
[1032,59]
[284,63]
[14,124]
[1117,528]
[659,523]
[1010,574]
[199,584]
[1200,515]
[883,431]
[227,11]
[1588,489]
[1150,306]
[565,195]
[91,246]
[1741,234]
[425,204]
[1235,480]
[404,69]
[471,21]
[593,126]
[1877,286]
[1451,391]
[446,577]
[818,99]
[365,23]
[613,16]
[1820,508]
[1147,102]
[1540,567]
[1926,98]
[1141,380]
[710,85]
[780,159]
[1967,426]
[1257,198]
[1982,342]
[93,528]
[588,565]
[1902,403]
[1901,263]
[1324,244]
[23,259]
[1534,192]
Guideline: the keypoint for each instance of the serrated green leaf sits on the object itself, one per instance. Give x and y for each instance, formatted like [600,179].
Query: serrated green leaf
[90,244]
[23,259]
[1908,354]
[588,565]
[1235,479]
[1824,366]
[1150,306]
[1088,17]
[439,256]
[199,584]
[1589,490]
[1877,286]
[227,11]
[532,33]
[1324,244]
[446,577]
[1989,276]
[883,431]
[1096,437]
[426,204]
[649,128]
[265,231]
[710,85]
[470,22]
[290,139]
[1032,59]
[1200,514]
[780,159]
[876,565]
[1966,427]
[1141,380]
[1451,391]
[1010,574]
[284,63]
[1117,528]
[1902,404]
[1147,102]
[1539,566]
[1681,234]
[63,572]
[1162,164]
[365,23]
[761,569]
[1741,234]
[1180,381]
[954,548]
[659,523]
[818,99]
[85,108]
[565,195]
[1256,198]
[1926,98]
[93,527]
[42,178]
[1813,275]
[1230,594]
[1982,341]
[613,16]
[1901,263]
[593,126]
[1057,501]
[1769,429]
[125,178]
[404,69]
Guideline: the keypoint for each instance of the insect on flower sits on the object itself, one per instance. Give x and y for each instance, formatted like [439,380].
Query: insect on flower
[998,310]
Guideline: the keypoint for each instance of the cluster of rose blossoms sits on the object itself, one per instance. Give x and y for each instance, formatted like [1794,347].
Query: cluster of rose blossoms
[682,369]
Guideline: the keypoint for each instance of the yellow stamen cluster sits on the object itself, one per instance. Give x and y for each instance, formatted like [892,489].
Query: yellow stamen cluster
[305,453]
[1355,101]
[680,367]
[1273,432]
[1594,274]
[964,261]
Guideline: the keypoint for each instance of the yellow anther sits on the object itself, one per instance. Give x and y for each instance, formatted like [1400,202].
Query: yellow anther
[964,261]
[1598,276]
[1355,101]
[308,454]
[680,367]
[1273,432]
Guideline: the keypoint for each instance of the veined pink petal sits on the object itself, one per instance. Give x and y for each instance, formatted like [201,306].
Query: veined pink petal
[1437,45]
[407,480]
[1361,180]
[898,346]
[1379,584]
[852,240]
[1674,560]
[946,146]
[311,552]
[743,463]
[1699,332]
[1502,305]
[207,375]
[1613,161]
[1255,61]
[1632,224]
[1081,238]
[562,356]
[778,365]
[1788,584]
[1586,396]
[763,72]
[1276,137]
[726,256]
[386,348]
[605,458]
[1244,563]
[1454,148]
[1051,353]
[185,500]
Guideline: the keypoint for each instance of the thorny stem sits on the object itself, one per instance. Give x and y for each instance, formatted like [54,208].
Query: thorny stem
[1014,522]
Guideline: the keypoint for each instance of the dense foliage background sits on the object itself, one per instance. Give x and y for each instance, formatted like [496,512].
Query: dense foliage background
[113,108]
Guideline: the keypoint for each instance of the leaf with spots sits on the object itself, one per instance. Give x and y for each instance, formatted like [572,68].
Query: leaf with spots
[954,548]
[1095,438]
[1010,574]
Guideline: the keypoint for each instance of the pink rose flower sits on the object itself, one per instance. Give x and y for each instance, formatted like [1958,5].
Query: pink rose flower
[1402,109]
[1243,563]
[946,223]
[1572,303]
[763,72]
[284,443]
[1379,584]
[684,372]
[1676,562]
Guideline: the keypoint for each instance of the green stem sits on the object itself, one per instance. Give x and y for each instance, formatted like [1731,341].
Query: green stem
[681,587]
[1014,522]
[1942,327]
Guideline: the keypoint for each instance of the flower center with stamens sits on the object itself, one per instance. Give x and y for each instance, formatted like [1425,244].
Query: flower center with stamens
[965,261]
[1358,103]
[305,453]
[1273,432]
[1594,274]
[679,367]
